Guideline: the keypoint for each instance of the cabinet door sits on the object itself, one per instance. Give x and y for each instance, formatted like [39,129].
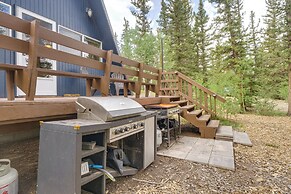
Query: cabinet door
[149,141]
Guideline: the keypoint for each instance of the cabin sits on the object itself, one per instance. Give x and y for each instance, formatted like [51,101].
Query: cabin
[53,48]
[82,20]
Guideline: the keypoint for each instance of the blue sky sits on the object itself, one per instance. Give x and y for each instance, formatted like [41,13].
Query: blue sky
[118,9]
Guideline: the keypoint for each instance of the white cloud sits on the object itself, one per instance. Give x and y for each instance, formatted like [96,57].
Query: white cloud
[258,6]
[117,10]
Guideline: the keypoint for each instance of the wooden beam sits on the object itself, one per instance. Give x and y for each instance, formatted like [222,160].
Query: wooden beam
[10,84]
[159,83]
[69,58]
[33,59]
[14,23]
[88,86]
[13,44]
[22,112]
[52,36]
[139,81]
[106,77]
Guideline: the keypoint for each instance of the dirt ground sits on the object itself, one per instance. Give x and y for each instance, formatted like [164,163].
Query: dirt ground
[263,168]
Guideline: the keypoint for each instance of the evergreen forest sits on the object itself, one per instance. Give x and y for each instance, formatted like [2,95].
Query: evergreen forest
[246,64]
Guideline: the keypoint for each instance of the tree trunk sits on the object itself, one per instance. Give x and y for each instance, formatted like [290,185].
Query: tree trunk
[288,10]
[289,93]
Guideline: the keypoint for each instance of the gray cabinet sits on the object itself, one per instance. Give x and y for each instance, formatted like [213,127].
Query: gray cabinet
[61,154]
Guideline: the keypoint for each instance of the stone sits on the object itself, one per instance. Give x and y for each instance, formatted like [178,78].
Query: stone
[241,138]
[222,162]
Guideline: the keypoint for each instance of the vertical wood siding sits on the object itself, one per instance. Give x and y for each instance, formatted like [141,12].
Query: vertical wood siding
[71,14]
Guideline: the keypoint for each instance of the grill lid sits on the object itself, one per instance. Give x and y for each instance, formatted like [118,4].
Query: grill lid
[107,108]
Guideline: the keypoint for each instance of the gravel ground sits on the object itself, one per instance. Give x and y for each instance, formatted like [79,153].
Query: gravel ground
[263,168]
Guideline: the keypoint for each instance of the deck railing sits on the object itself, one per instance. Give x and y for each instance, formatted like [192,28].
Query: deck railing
[178,84]
[25,77]
[137,74]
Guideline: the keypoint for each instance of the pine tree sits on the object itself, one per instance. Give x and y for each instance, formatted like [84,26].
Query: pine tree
[254,53]
[127,40]
[232,48]
[140,11]
[201,41]
[275,68]
[163,19]
[287,41]
[179,14]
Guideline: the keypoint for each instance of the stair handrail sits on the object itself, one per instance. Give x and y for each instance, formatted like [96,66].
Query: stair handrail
[188,79]
[206,99]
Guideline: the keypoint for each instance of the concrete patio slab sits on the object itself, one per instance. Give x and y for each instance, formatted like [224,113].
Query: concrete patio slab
[205,151]
[222,162]
[223,149]
[224,131]
[199,158]
[241,138]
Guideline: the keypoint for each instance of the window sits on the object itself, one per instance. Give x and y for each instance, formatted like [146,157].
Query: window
[6,9]
[93,42]
[72,34]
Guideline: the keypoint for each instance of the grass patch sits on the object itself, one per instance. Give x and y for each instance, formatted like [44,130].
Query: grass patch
[228,122]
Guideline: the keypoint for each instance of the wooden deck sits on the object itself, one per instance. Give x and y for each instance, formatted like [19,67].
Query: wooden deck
[41,109]
[21,110]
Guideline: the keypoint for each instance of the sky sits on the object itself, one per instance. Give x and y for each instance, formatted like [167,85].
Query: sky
[119,9]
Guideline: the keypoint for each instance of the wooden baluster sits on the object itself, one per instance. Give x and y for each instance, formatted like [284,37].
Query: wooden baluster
[200,98]
[190,91]
[10,84]
[215,105]
[180,85]
[206,101]
[33,59]
[210,103]
[125,89]
[105,80]
[139,82]
[88,87]
[159,81]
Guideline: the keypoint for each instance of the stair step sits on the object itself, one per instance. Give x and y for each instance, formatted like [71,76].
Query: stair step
[172,98]
[188,107]
[213,124]
[180,102]
[224,132]
[204,118]
[197,113]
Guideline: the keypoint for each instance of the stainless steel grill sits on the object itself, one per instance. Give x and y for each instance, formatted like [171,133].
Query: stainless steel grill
[106,109]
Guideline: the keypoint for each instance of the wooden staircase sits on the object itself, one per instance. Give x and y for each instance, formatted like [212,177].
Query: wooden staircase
[198,104]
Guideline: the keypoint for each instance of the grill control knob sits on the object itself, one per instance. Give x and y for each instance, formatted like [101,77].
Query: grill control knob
[141,124]
[135,126]
[122,130]
[126,128]
[116,131]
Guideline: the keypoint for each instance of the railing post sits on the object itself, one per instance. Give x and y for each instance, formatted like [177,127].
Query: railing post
[180,89]
[159,82]
[33,59]
[206,101]
[10,84]
[190,91]
[125,89]
[105,80]
[88,87]
[139,82]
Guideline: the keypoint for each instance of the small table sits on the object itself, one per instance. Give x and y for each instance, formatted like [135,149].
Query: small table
[166,111]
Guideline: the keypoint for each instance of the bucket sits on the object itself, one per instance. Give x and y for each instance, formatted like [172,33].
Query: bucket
[8,178]
[159,137]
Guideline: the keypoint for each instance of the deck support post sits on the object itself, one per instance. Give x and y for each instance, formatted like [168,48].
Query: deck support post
[105,80]
[10,84]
